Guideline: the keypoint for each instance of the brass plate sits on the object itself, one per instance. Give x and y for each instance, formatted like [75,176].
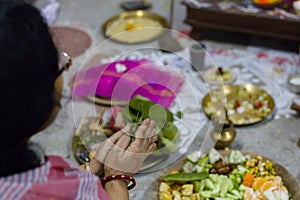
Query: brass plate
[106,101]
[289,181]
[85,139]
[82,155]
[242,93]
[139,14]
[218,80]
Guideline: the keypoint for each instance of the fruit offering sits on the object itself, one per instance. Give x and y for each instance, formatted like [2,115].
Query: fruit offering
[233,177]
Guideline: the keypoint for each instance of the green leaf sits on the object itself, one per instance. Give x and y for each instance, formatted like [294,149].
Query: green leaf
[144,105]
[170,131]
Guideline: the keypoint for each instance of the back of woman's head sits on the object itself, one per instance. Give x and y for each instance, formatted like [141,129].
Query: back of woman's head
[28,67]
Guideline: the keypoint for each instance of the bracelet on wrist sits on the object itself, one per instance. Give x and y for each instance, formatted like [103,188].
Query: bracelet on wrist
[120,177]
[89,169]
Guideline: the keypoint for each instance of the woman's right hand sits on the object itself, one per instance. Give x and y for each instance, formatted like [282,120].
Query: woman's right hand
[127,158]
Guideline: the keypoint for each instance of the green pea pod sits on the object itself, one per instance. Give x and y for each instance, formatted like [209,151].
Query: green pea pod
[186,177]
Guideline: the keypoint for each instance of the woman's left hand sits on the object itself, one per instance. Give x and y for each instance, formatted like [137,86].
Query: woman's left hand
[96,164]
[127,158]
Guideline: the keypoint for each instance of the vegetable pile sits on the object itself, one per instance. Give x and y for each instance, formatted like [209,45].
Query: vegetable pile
[234,177]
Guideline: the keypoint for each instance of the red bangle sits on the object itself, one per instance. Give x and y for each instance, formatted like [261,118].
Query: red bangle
[119,177]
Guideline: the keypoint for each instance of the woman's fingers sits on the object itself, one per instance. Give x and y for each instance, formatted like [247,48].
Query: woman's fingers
[107,145]
[151,130]
[146,129]
[142,129]
[144,137]
[118,134]
[131,159]
[151,148]
[149,134]
[154,139]
[123,142]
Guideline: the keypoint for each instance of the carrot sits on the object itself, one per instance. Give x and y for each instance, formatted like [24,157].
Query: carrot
[248,179]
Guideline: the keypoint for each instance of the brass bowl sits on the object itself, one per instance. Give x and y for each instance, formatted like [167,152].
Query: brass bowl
[293,84]
[231,93]
[225,138]
[134,15]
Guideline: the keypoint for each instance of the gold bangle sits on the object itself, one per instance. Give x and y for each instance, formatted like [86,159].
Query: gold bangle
[87,167]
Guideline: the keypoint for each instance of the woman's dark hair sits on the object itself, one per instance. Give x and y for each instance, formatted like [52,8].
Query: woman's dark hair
[28,68]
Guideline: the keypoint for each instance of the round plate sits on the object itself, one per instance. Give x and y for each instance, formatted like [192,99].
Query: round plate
[71,40]
[212,77]
[82,154]
[132,34]
[266,5]
[87,137]
[289,181]
[241,93]
[106,101]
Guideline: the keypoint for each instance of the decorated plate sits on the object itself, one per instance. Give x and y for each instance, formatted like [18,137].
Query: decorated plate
[245,104]
[134,27]
[167,187]
[219,76]
[90,134]
[83,154]
[173,136]
[105,101]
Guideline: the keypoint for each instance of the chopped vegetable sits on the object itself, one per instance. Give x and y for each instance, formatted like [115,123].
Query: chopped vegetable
[187,189]
[236,157]
[189,167]
[203,161]
[238,183]
[237,104]
[248,179]
[165,196]
[214,156]
[163,187]
[194,157]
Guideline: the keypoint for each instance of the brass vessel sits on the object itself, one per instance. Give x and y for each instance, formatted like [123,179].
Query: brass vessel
[223,134]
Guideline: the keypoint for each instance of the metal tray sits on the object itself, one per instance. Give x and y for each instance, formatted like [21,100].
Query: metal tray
[242,93]
[132,15]
[288,179]
[89,135]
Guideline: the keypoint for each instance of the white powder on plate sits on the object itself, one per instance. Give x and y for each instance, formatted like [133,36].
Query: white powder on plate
[295,81]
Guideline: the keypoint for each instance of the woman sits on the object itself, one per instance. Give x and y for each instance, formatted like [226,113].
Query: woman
[30,80]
